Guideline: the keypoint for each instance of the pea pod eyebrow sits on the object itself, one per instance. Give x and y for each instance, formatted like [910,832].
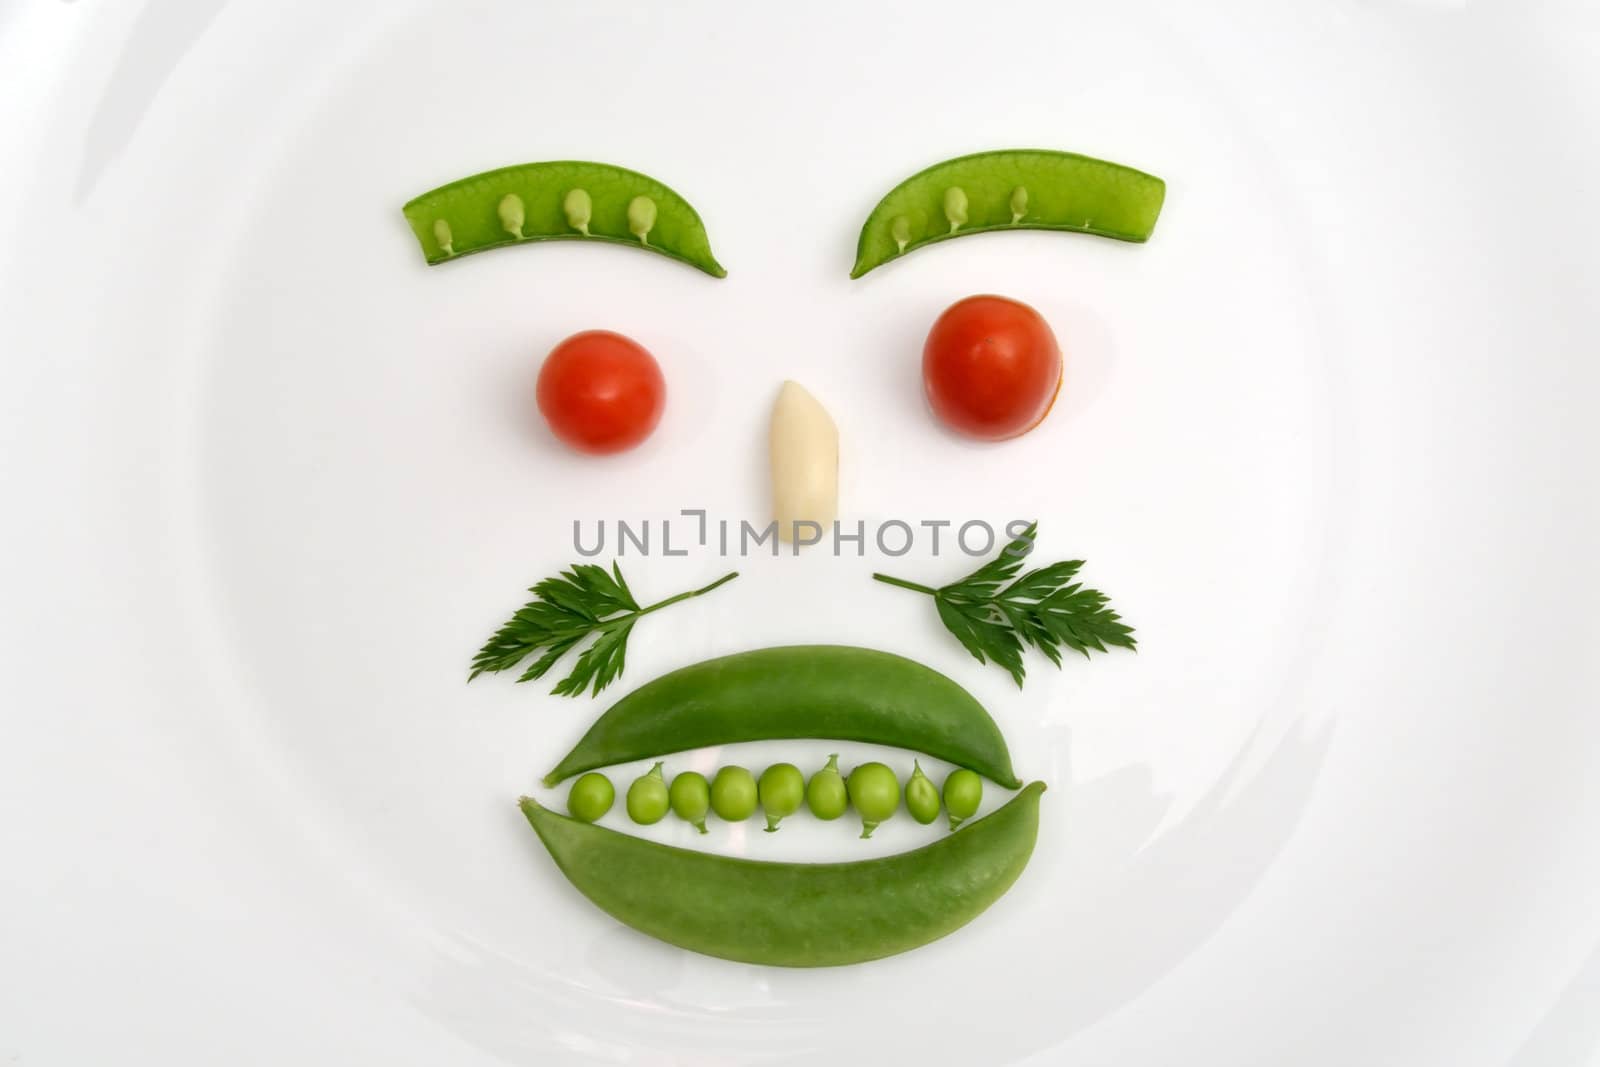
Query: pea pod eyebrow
[1013,189]
[559,200]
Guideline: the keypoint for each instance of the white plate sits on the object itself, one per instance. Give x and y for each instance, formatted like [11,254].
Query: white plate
[1326,440]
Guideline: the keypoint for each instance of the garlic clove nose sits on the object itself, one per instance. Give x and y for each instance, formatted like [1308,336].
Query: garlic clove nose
[804,447]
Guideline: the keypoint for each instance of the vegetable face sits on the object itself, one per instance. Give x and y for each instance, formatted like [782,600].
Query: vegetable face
[601,392]
[804,447]
[810,691]
[991,368]
[1016,189]
[795,914]
[826,795]
[647,798]
[733,794]
[590,797]
[559,200]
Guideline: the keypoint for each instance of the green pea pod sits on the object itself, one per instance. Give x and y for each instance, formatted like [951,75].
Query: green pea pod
[796,691]
[1015,189]
[795,914]
[560,200]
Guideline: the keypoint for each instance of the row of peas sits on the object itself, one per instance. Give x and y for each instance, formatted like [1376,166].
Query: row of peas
[733,793]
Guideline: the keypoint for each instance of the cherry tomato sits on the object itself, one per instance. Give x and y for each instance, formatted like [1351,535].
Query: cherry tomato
[991,368]
[601,392]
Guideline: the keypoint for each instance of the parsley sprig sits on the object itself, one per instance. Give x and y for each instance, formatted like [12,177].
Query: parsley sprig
[584,600]
[994,614]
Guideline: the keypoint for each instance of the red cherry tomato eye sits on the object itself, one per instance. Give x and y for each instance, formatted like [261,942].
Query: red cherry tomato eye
[601,392]
[991,368]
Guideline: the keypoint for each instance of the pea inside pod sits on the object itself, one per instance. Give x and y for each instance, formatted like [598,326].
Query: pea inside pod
[826,794]
[648,797]
[922,796]
[559,200]
[783,790]
[734,794]
[690,796]
[795,914]
[1014,189]
[963,792]
[591,797]
[875,792]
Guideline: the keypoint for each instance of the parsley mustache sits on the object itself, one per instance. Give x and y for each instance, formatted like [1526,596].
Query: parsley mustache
[994,616]
[566,609]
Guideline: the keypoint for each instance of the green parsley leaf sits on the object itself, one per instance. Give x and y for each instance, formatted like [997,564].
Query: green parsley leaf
[566,609]
[994,613]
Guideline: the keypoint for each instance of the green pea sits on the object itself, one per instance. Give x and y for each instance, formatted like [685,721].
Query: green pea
[963,792]
[875,792]
[579,209]
[795,691]
[900,230]
[783,790]
[1015,189]
[922,796]
[955,207]
[512,214]
[590,797]
[443,238]
[559,200]
[647,797]
[641,218]
[794,914]
[733,794]
[691,798]
[826,795]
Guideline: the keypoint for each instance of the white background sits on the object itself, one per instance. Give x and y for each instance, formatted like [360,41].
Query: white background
[1325,440]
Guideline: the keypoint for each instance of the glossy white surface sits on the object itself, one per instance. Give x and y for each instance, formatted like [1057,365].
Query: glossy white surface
[1326,440]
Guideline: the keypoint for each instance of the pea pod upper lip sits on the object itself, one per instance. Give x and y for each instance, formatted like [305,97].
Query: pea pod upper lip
[837,692]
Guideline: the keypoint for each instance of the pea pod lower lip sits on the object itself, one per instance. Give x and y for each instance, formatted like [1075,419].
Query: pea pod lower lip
[795,914]
[837,692]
